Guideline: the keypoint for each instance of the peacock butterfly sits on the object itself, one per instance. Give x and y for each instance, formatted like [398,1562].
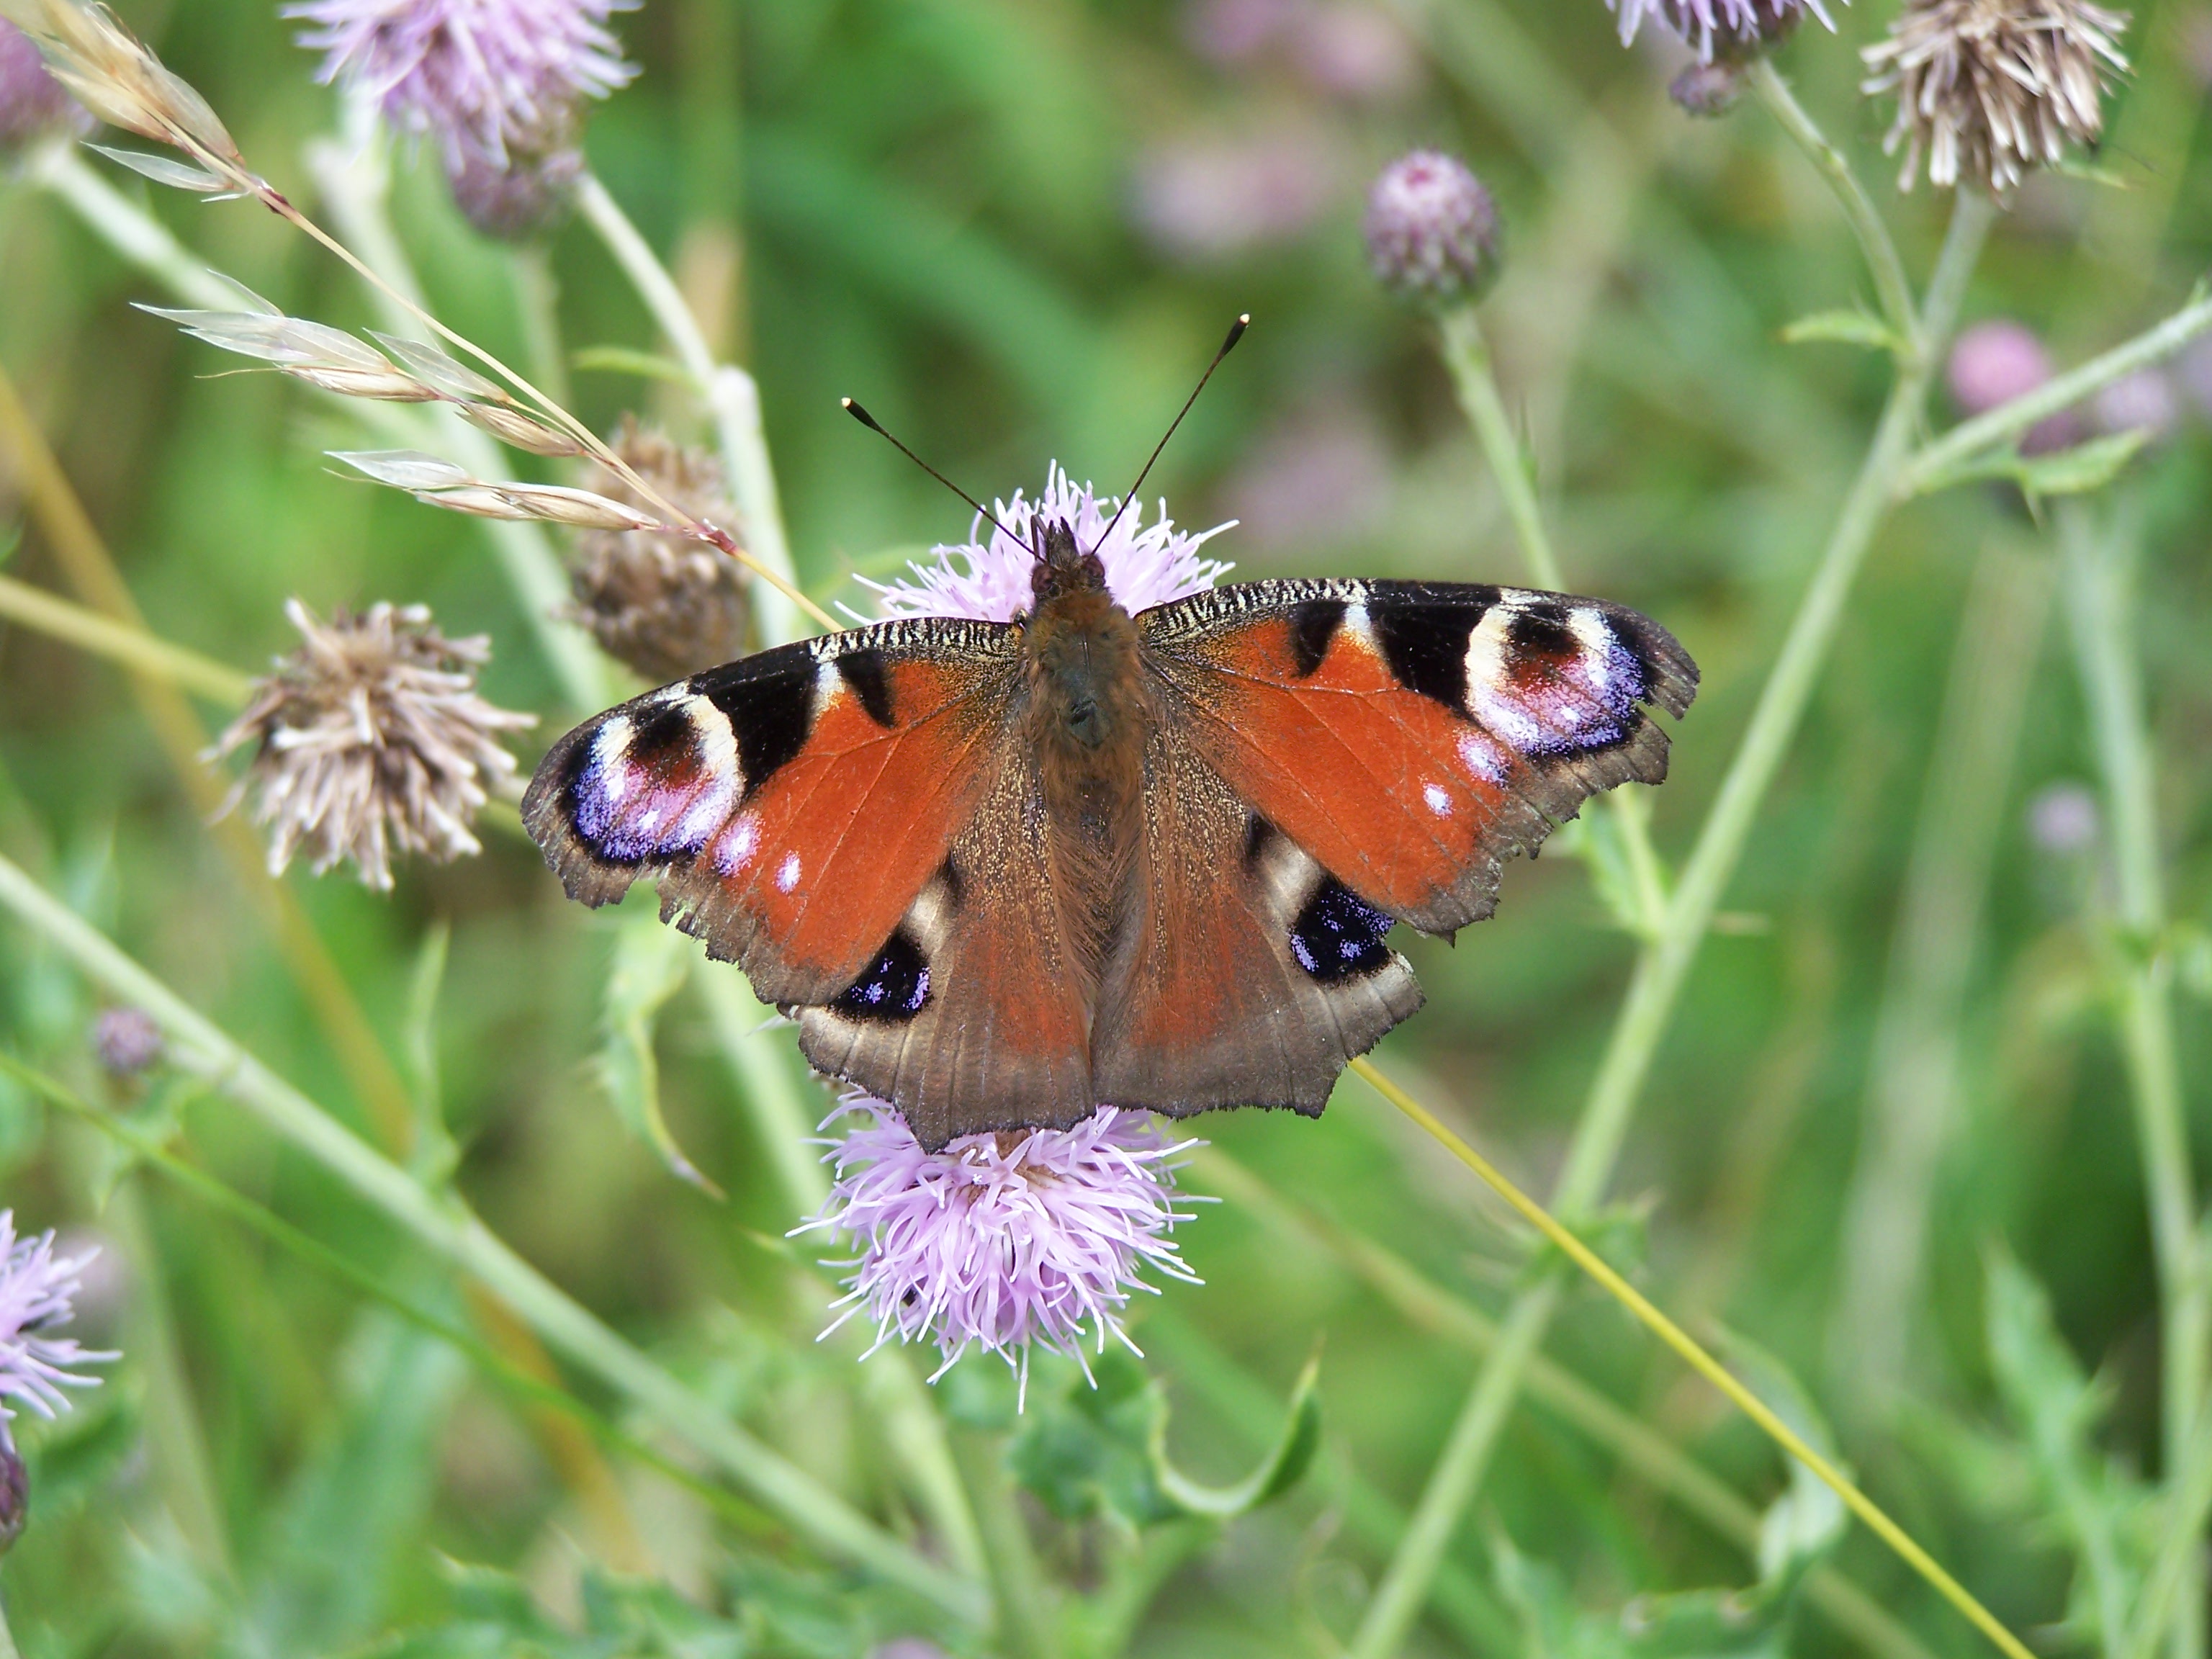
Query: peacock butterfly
[1002,873]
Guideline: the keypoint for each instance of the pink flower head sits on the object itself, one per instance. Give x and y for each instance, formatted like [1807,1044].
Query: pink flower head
[1146,565]
[482,77]
[1001,1242]
[36,1293]
[1699,21]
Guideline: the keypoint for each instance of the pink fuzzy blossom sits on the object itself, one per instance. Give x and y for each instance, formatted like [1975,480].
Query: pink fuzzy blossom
[1001,1242]
[1145,564]
[482,77]
[1699,21]
[37,1292]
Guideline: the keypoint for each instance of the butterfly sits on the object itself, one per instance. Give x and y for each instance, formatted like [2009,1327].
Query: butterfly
[1002,873]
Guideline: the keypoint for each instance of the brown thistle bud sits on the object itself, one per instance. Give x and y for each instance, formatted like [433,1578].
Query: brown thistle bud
[1989,90]
[370,740]
[665,606]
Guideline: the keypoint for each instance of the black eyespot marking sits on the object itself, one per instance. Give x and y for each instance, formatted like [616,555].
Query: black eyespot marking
[893,990]
[1313,625]
[1338,935]
[863,672]
[771,717]
[1541,630]
[1425,646]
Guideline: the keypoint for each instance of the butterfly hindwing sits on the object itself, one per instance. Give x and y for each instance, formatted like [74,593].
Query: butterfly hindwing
[1412,736]
[792,803]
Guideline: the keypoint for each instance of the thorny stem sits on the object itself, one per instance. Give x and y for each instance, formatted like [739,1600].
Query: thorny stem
[1890,283]
[1932,465]
[729,392]
[135,649]
[2098,561]
[1432,1308]
[1702,1363]
[451,1231]
[1663,964]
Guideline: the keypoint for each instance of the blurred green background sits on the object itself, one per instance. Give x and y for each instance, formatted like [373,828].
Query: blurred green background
[1015,231]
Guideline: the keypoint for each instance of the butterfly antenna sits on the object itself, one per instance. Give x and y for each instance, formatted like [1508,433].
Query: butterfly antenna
[1236,333]
[876,427]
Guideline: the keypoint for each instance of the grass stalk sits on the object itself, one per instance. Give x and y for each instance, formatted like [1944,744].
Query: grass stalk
[731,395]
[446,1227]
[1890,285]
[1662,965]
[145,655]
[1703,1364]
[2099,560]
[1551,1386]
[1939,459]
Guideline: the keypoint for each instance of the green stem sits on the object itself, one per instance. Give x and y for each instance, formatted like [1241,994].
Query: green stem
[731,395]
[1663,964]
[1940,458]
[2188,1505]
[452,1231]
[1025,1627]
[135,649]
[1466,354]
[352,175]
[1890,283]
[2099,562]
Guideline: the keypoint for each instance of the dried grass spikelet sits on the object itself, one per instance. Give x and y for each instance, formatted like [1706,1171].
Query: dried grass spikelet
[111,74]
[370,739]
[665,605]
[1989,90]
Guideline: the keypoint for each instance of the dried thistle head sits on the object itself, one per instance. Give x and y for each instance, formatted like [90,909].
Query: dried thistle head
[1989,90]
[665,605]
[370,740]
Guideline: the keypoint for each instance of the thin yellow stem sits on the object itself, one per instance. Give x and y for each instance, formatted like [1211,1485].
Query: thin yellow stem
[1702,1363]
[135,649]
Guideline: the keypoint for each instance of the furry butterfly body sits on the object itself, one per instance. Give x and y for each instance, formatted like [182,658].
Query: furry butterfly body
[1004,873]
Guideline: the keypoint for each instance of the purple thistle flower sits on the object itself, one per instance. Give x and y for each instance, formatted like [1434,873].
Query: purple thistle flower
[483,77]
[36,1296]
[1145,564]
[1431,229]
[1005,1241]
[1742,23]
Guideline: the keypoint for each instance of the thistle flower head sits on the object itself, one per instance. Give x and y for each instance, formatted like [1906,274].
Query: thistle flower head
[125,1041]
[37,1295]
[515,199]
[1001,1242]
[665,606]
[1431,229]
[1996,361]
[370,740]
[488,77]
[32,102]
[1989,90]
[1145,564]
[1731,28]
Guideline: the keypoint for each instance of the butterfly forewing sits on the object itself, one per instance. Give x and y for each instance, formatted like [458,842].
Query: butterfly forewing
[793,804]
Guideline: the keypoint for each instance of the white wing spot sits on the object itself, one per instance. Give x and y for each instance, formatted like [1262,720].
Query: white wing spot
[1483,757]
[1438,797]
[786,874]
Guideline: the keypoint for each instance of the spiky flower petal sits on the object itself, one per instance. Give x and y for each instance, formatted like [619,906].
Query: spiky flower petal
[370,740]
[1002,1241]
[1145,564]
[1989,90]
[37,1298]
[1729,26]
[487,76]
[667,607]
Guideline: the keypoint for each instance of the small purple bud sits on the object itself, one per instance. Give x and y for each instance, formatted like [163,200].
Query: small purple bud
[32,102]
[516,200]
[1707,89]
[2141,402]
[1432,232]
[126,1040]
[2062,820]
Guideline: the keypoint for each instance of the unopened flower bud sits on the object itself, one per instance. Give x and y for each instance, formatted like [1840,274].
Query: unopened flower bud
[1996,361]
[526,196]
[126,1040]
[1431,229]
[1707,89]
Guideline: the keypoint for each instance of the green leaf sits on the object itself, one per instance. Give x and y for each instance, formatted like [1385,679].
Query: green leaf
[623,360]
[1087,1450]
[2073,471]
[1808,1520]
[650,962]
[435,1155]
[1844,328]
[11,539]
